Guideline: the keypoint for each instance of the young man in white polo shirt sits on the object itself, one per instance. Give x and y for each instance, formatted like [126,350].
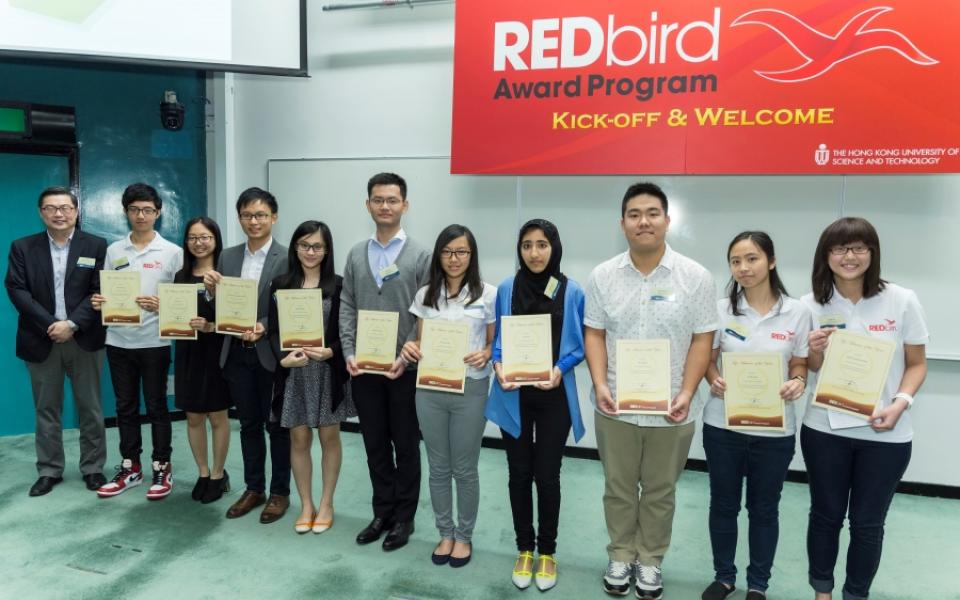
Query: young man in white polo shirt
[136,354]
[649,292]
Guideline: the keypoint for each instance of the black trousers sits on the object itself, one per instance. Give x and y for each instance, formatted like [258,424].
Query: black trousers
[251,387]
[129,369]
[391,436]
[535,457]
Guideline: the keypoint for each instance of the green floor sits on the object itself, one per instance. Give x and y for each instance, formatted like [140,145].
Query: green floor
[70,544]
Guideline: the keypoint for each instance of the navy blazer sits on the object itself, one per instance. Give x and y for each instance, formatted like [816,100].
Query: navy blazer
[29,284]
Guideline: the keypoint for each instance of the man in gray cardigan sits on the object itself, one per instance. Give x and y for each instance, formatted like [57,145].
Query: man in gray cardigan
[384,273]
[248,363]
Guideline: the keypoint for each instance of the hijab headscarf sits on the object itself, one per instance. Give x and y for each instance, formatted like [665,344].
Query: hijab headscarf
[528,287]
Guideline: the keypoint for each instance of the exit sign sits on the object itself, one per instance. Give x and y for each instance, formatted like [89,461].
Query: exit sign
[14,120]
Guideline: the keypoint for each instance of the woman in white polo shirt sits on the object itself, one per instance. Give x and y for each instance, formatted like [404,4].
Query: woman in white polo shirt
[451,423]
[854,464]
[758,316]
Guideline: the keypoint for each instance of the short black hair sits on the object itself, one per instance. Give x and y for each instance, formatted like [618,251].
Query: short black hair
[387,179]
[644,188]
[140,191]
[57,190]
[251,195]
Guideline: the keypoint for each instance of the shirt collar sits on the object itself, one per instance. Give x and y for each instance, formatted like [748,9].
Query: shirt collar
[155,242]
[262,251]
[69,238]
[401,236]
[782,307]
[667,261]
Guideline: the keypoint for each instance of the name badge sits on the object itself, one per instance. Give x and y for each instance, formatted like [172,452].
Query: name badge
[737,330]
[389,272]
[474,310]
[201,289]
[833,321]
[86,262]
[121,263]
[551,290]
[663,295]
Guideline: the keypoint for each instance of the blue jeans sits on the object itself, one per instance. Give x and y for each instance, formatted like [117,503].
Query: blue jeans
[762,461]
[847,473]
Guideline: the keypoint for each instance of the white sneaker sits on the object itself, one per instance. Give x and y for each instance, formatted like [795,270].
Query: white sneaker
[162,481]
[649,581]
[616,580]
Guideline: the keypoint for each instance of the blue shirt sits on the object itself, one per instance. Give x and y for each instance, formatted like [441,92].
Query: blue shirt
[58,255]
[382,256]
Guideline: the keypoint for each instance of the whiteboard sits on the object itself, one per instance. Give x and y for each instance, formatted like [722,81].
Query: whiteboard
[917,217]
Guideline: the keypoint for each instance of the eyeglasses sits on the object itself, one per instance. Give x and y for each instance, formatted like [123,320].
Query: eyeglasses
[460,254]
[842,250]
[255,216]
[136,211]
[193,239]
[392,201]
[65,210]
[307,248]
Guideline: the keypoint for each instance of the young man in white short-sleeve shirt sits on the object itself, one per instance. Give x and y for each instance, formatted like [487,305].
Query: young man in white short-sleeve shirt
[136,354]
[649,292]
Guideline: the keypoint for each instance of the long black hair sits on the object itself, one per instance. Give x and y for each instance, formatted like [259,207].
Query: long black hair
[762,241]
[841,232]
[471,278]
[295,276]
[189,260]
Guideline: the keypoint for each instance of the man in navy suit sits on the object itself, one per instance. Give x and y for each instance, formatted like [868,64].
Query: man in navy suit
[50,278]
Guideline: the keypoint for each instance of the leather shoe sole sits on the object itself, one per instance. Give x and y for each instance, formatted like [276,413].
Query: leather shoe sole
[43,485]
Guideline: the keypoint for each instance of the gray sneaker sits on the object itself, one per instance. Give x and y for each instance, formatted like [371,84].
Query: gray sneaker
[616,580]
[649,582]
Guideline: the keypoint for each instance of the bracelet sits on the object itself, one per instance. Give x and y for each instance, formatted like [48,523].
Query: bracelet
[800,378]
[905,397]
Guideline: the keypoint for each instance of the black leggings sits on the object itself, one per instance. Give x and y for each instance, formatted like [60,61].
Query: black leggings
[535,457]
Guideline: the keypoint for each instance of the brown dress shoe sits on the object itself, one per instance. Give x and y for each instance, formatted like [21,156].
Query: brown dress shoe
[275,508]
[247,502]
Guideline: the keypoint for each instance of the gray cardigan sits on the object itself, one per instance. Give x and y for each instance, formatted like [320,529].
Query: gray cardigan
[360,291]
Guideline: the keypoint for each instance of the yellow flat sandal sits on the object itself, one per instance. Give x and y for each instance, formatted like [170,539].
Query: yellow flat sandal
[522,570]
[546,579]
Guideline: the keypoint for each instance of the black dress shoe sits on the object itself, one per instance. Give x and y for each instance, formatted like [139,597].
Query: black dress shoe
[373,531]
[94,481]
[398,536]
[199,486]
[44,484]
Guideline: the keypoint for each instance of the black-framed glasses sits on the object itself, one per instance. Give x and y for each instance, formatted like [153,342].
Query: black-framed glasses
[255,216]
[65,209]
[842,250]
[461,254]
[392,201]
[205,239]
[307,248]
[134,211]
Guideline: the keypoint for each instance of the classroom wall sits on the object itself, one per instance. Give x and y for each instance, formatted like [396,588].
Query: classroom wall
[121,142]
[381,86]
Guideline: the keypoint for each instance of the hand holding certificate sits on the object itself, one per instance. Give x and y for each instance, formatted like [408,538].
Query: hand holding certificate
[443,345]
[120,289]
[376,340]
[300,314]
[854,372]
[527,349]
[752,400]
[643,377]
[178,306]
[236,305]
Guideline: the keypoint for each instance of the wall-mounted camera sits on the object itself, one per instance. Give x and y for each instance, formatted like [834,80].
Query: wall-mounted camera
[171,112]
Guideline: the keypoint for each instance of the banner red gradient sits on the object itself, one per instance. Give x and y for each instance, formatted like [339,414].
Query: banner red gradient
[706,87]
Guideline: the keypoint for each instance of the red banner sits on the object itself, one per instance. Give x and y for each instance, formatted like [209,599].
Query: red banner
[706,87]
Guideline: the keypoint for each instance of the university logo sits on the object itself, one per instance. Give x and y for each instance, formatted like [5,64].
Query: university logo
[822,52]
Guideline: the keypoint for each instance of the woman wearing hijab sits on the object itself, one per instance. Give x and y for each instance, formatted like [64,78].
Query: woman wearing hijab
[549,408]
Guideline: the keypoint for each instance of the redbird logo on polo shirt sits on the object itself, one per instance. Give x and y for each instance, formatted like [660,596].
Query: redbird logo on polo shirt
[783,336]
[153,265]
[889,325]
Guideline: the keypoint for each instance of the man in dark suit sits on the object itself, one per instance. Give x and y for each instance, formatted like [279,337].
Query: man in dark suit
[248,363]
[50,278]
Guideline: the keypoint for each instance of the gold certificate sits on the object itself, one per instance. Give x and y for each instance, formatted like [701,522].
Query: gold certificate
[443,345]
[752,400]
[178,304]
[376,340]
[236,305]
[643,377]
[120,288]
[526,349]
[301,318]
[854,373]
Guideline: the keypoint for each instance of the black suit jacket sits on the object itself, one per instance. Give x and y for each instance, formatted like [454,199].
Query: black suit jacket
[29,284]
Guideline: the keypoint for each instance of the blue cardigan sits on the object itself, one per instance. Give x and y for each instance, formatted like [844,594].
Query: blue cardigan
[503,408]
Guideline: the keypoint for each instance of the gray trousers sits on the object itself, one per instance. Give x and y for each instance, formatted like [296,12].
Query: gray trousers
[452,428]
[83,368]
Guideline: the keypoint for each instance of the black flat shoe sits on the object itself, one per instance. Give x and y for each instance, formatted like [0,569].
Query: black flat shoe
[439,559]
[43,485]
[456,563]
[199,487]
[94,481]
[373,531]
[716,591]
[215,489]
[398,536]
